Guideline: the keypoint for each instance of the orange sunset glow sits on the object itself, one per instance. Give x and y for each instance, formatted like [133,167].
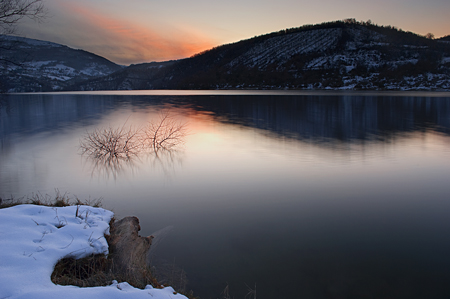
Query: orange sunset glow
[125,41]
[138,31]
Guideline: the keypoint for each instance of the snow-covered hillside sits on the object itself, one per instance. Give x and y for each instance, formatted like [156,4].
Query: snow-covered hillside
[337,55]
[33,65]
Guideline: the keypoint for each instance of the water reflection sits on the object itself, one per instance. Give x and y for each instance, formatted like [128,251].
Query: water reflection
[166,161]
[322,119]
[314,118]
[111,166]
[340,197]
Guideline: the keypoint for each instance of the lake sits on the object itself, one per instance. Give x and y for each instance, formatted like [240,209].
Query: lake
[294,194]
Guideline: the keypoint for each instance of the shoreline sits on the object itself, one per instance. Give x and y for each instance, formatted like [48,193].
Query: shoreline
[74,245]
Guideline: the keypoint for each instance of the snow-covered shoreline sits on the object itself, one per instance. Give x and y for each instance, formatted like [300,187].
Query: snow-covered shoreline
[34,238]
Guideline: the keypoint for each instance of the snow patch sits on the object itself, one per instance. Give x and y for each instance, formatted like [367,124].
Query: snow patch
[38,64]
[34,238]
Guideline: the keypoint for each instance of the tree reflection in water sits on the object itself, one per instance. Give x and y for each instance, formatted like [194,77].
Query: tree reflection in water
[112,150]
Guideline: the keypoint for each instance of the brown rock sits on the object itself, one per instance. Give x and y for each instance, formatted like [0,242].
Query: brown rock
[128,250]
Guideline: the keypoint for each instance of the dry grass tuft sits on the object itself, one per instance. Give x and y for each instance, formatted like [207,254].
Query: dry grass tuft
[58,200]
[96,270]
[85,272]
[9,202]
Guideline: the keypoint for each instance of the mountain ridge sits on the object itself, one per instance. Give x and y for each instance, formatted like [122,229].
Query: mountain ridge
[335,55]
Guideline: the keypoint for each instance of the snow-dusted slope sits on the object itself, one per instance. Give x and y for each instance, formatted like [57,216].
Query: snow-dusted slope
[33,65]
[361,47]
[280,49]
[337,55]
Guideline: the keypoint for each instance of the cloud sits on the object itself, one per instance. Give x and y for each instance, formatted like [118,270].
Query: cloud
[124,41]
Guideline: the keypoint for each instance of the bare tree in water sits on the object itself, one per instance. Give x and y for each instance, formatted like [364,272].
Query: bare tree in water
[112,149]
[111,143]
[164,134]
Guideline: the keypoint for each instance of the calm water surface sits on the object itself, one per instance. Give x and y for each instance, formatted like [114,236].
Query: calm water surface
[301,195]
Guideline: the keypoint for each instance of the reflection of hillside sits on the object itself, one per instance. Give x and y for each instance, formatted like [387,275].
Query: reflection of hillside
[31,114]
[314,118]
[34,113]
[323,118]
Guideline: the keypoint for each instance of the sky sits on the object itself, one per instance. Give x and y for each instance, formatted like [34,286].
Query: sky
[136,31]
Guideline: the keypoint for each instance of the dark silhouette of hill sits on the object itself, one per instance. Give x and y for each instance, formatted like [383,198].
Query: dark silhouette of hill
[336,55]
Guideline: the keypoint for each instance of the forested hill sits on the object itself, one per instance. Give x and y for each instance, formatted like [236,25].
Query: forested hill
[337,55]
